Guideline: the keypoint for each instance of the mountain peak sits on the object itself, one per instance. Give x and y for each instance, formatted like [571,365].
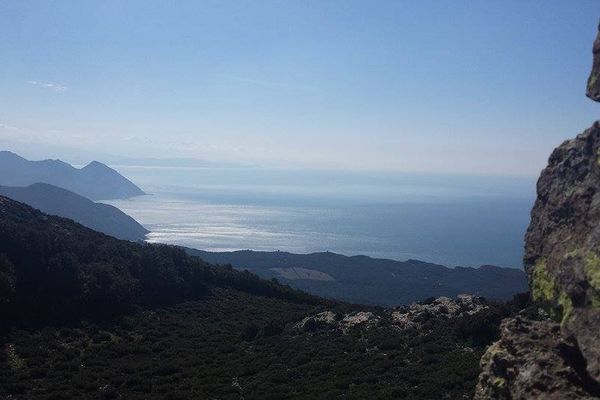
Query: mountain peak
[96,165]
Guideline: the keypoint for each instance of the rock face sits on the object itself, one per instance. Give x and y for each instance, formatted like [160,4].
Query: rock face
[556,354]
[562,245]
[593,86]
[533,360]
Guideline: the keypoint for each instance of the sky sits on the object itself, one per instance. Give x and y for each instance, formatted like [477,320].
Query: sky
[462,86]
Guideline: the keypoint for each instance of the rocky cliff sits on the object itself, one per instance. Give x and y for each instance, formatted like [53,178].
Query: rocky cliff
[593,86]
[553,350]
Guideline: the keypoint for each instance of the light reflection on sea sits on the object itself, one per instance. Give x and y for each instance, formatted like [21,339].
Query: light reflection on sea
[460,220]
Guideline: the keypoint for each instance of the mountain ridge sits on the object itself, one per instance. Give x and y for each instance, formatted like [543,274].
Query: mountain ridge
[366,280]
[95,181]
[64,203]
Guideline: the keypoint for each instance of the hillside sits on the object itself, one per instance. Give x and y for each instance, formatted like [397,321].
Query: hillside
[56,269]
[95,181]
[366,280]
[87,316]
[61,202]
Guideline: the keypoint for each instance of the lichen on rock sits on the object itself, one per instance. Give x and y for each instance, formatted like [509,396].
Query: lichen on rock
[542,284]
[592,270]
[566,305]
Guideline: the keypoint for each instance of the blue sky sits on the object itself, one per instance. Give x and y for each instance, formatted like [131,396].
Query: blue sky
[439,86]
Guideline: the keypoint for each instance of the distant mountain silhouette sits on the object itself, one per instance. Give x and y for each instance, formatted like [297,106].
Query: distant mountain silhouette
[63,203]
[366,280]
[95,181]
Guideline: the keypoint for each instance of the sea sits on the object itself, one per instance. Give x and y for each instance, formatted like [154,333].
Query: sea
[449,219]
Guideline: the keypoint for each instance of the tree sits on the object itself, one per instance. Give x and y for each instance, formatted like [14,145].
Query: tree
[8,281]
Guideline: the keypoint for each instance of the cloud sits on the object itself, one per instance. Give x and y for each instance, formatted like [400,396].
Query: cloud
[6,127]
[10,132]
[56,87]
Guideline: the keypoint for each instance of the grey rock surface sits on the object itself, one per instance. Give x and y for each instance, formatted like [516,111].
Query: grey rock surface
[533,360]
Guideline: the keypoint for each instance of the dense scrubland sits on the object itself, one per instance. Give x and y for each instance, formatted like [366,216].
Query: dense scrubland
[89,316]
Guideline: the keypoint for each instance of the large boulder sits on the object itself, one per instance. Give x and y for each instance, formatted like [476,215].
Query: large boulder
[554,353]
[562,245]
[533,361]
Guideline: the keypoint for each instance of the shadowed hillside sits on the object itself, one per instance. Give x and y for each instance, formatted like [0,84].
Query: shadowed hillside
[61,202]
[361,279]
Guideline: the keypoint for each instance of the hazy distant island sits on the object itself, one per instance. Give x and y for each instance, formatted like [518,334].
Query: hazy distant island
[96,181]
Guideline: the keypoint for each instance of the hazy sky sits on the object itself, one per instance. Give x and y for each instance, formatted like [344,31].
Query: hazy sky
[455,86]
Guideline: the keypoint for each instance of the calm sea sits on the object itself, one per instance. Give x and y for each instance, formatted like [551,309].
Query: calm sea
[447,219]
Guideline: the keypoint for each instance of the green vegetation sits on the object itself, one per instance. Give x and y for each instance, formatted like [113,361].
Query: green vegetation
[13,359]
[231,344]
[86,316]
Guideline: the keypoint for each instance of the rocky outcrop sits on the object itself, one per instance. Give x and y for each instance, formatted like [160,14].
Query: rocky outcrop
[442,307]
[533,360]
[557,356]
[414,316]
[343,322]
[562,245]
[593,86]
